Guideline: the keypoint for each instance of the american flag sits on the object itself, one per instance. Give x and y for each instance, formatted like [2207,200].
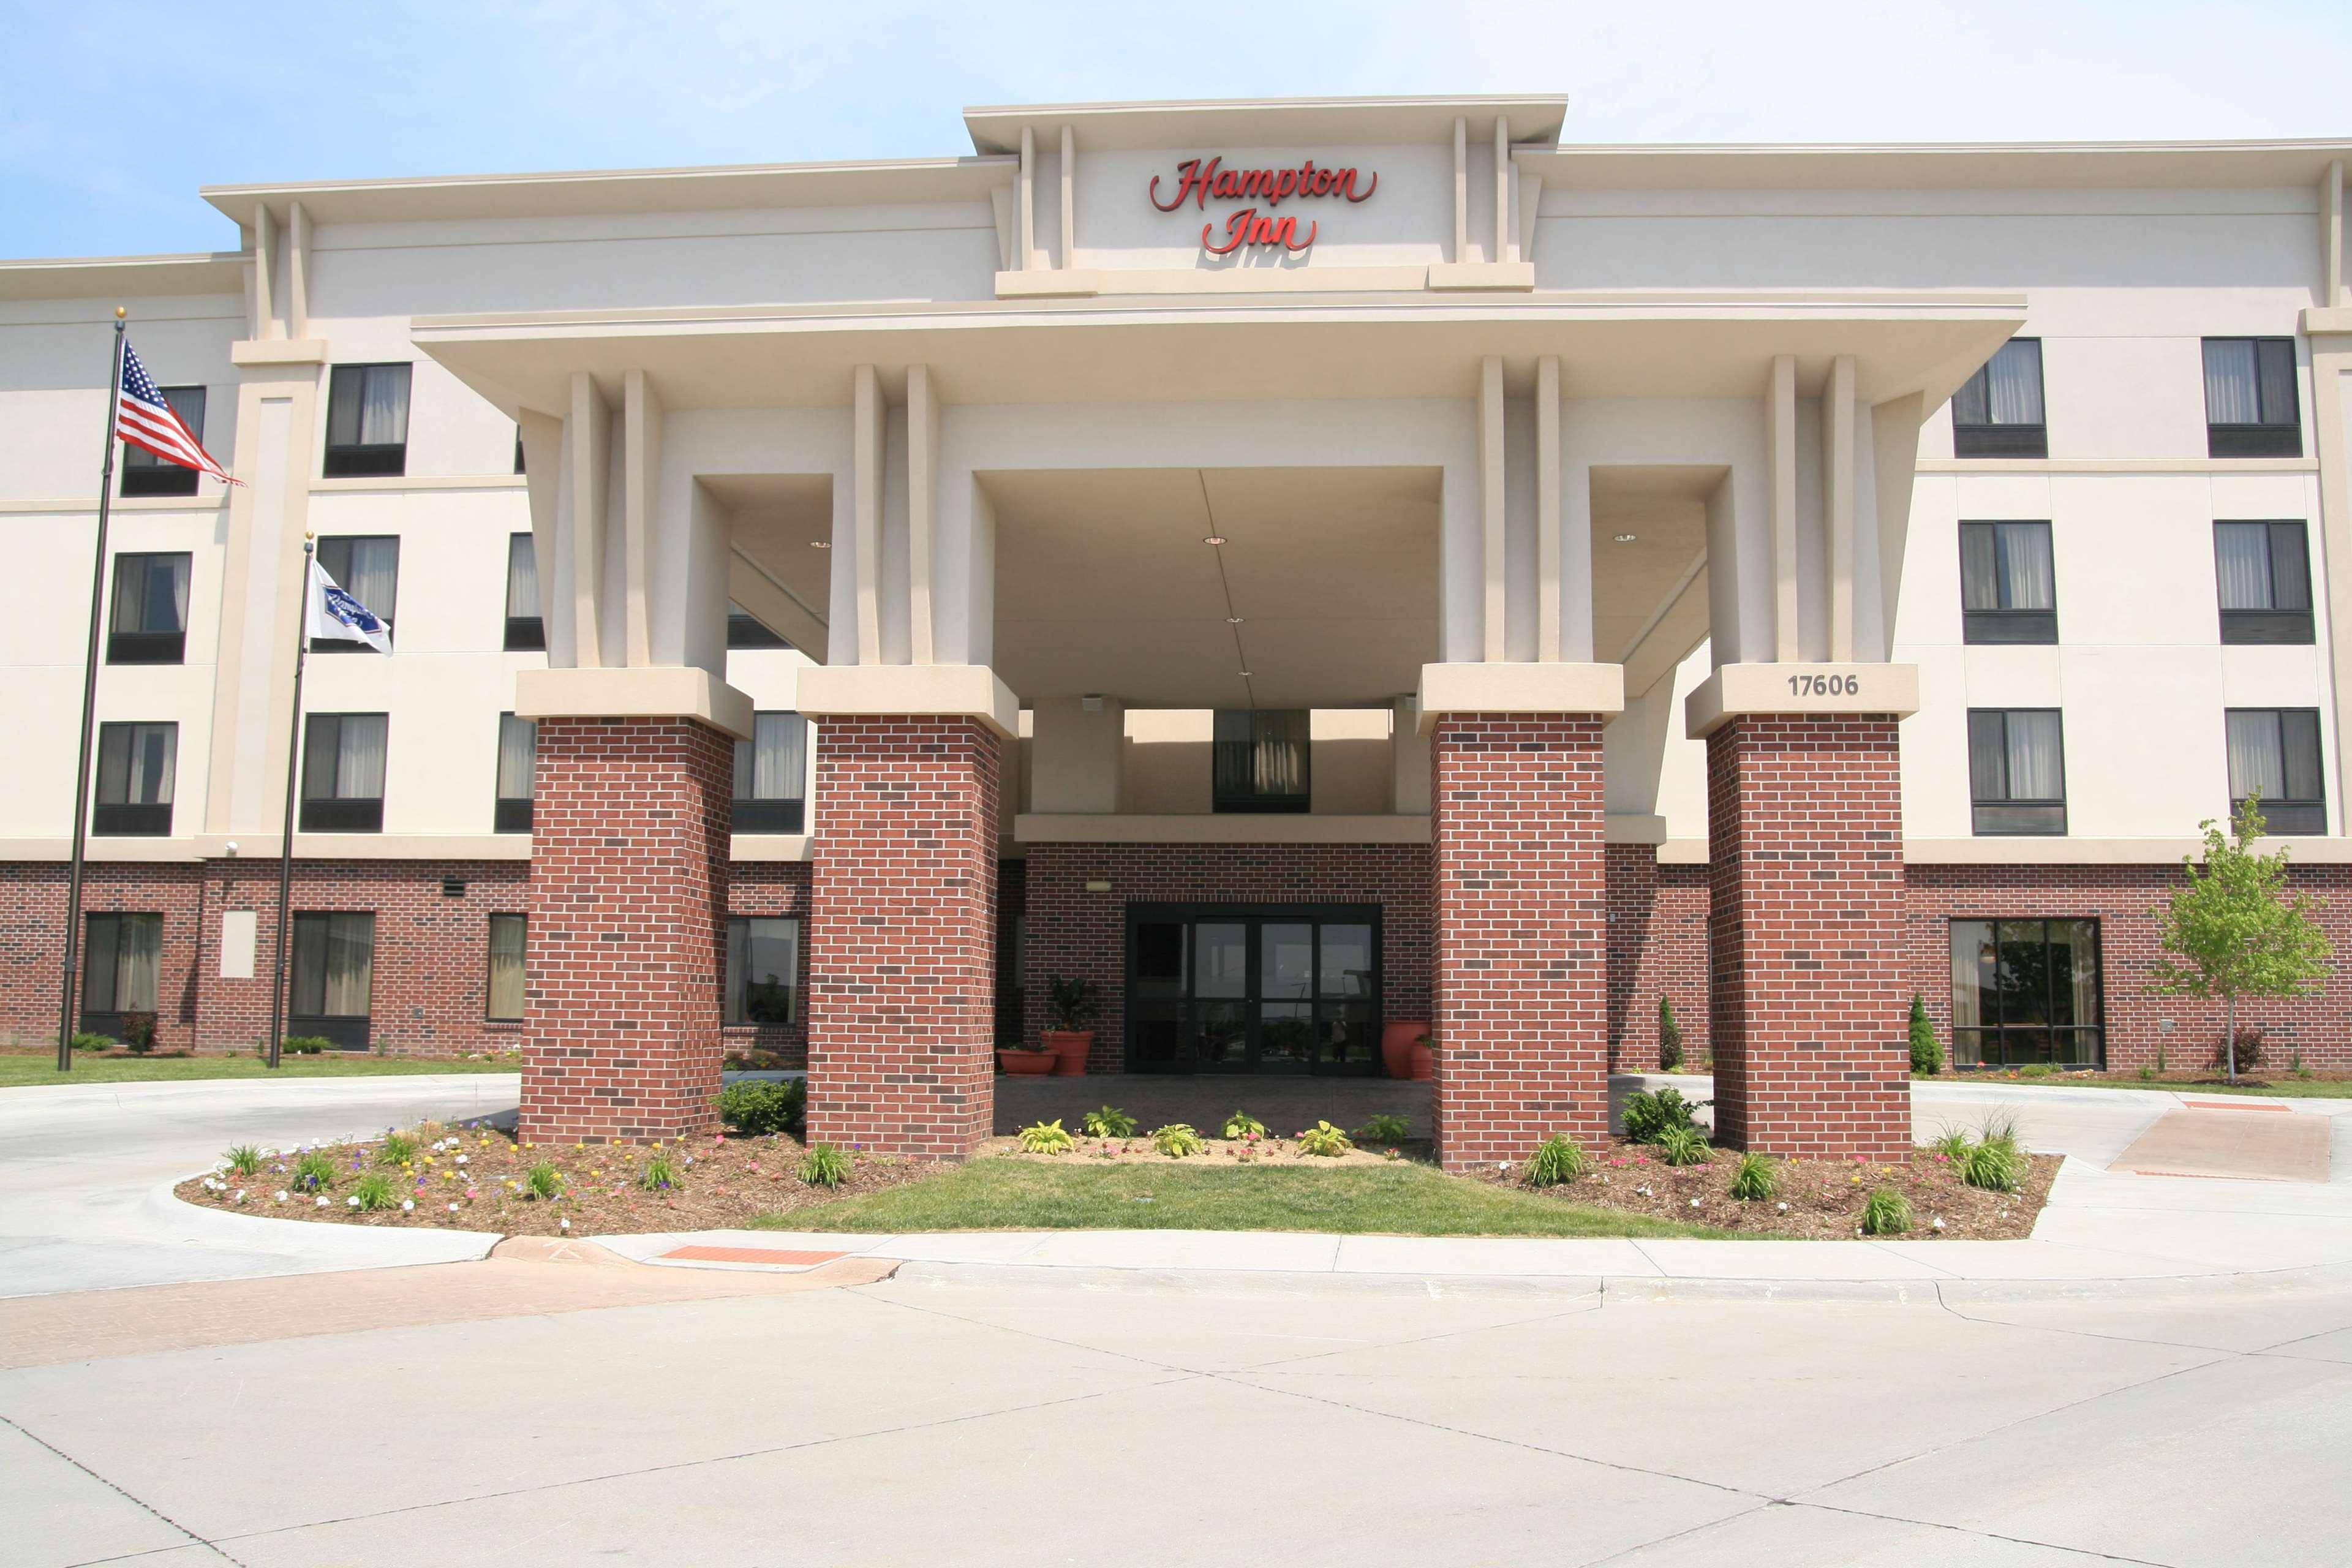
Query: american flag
[142,418]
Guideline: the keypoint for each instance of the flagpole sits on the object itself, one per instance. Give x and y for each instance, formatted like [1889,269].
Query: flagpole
[88,701]
[286,838]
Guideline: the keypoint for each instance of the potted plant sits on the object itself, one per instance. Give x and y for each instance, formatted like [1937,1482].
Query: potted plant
[1424,1056]
[1024,1061]
[1396,1045]
[1070,1003]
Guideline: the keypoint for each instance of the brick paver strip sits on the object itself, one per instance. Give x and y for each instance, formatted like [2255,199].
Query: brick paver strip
[2208,1144]
[749,1255]
[95,1325]
[2228,1105]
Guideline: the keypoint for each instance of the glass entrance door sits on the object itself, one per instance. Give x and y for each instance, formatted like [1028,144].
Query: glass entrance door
[1253,989]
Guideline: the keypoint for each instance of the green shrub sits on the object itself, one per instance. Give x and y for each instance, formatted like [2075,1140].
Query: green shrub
[1683,1146]
[138,1032]
[397,1149]
[1109,1121]
[1242,1124]
[659,1174]
[244,1159]
[1177,1140]
[759,1107]
[1386,1128]
[1670,1037]
[375,1192]
[2295,1063]
[305,1045]
[1927,1051]
[1757,1178]
[2148,1072]
[2034,1070]
[1996,1167]
[1885,1212]
[1069,1002]
[543,1181]
[824,1167]
[1650,1113]
[1558,1159]
[1952,1142]
[1046,1138]
[86,1041]
[314,1172]
[2000,1128]
[1323,1140]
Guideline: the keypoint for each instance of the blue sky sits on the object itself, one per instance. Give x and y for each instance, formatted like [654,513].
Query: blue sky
[271,91]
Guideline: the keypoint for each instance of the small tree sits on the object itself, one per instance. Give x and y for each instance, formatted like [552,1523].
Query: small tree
[1670,1036]
[1927,1051]
[2231,931]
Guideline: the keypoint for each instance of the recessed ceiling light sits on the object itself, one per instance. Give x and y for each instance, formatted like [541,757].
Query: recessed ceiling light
[1232,620]
[1626,537]
[820,545]
[1245,675]
[1214,539]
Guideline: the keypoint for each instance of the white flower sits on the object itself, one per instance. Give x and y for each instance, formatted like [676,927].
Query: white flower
[453,1208]
[240,1194]
[1939,1222]
[1694,1203]
[323,1200]
[560,1224]
[461,1159]
[407,1204]
[351,1202]
[1783,1207]
[282,1197]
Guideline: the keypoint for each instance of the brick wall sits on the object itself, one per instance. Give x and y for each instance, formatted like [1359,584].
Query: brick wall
[1805,846]
[1521,898]
[33,949]
[902,951]
[1075,932]
[1657,947]
[2120,898]
[628,934]
[772,888]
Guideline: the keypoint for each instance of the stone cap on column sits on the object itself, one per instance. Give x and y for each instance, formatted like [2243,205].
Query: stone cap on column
[643,692]
[1511,688]
[924,691]
[1735,691]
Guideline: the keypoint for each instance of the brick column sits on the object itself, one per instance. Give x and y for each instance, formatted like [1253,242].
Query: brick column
[1805,844]
[1516,820]
[628,930]
[902,935]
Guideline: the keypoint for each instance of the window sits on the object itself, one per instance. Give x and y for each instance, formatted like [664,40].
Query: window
[145,474]
[2265,572]
[518,759]
[367,422]
[334,970]
[2250,400]
[135,765]
[120,960]
[150,625]
[1997,411]
[2017,770]
[2008,588]
[2025,992]
[2274,758]
[771,776]
[367,567]
[504,1003]
[519,449]
[342,773]
[763,970]
[526,632]
[745,629]
[1261,760]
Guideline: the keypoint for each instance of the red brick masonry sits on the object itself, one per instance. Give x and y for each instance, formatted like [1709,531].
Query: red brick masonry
[628,930]
[1805,843]
[1520,879]
[902,978]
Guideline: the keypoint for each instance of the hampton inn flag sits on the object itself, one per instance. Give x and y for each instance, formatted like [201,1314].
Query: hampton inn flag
[145,420]
[335,614]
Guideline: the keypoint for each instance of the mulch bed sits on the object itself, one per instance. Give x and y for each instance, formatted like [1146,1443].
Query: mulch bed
[722,1182]
[1268,1150]
[1817,1200]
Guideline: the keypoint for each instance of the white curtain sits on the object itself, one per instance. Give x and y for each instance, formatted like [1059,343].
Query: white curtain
[2037,768]
[153,750]
[358,757]
[2241,553]
[138,957]
[1279,760]
[522,577]
[507,943]
[779,758]
[373,575]
[2013,383]
[517,756]
[2231,392]
[384,412]
[2026,566]
[2257,765]
[351,965]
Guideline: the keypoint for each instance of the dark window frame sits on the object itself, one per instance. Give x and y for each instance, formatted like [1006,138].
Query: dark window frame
[338,813]
[128,818]
[745,629]
[1233,772]
[345,1031]
[735,1011]
[342,580]
[145,647]
[490,972]
[2275,625]
[145,473]
[524,634]
[109,1020]
[512,813]
[2004,1033]
[1988,813]
[1992,438]
[2288,816]
[2269,436]
[1999,624]
[1193,1011]
[362,460]
[786,814]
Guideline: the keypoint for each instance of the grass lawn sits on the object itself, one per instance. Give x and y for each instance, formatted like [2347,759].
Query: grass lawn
[16,1071]
[2277,1088]
[1402,1199]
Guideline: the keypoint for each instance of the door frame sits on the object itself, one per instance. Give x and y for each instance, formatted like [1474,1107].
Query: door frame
[1193,914]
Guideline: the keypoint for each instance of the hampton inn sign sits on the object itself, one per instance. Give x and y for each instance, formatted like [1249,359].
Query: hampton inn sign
[1201,183]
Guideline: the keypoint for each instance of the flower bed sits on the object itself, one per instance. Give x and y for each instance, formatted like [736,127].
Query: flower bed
[477,1178]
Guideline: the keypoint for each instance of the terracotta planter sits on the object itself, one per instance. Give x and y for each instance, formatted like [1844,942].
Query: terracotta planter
[1396,1045]
[1069,1047]
[1025,1063]
[1424,1061]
